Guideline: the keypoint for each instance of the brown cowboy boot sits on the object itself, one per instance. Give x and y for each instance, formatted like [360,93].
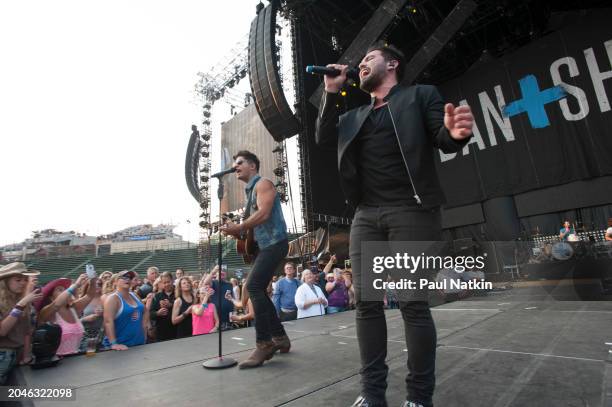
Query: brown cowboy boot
[282,343]
[264,351]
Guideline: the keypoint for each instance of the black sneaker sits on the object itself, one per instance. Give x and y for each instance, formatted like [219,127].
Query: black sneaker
[363,401]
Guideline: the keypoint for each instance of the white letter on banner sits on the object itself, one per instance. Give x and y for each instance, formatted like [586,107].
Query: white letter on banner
[488,110]
[572,90]
[598,77]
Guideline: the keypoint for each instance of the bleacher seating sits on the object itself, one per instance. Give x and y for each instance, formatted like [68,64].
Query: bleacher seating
[165,260]
[52,268]
[119,261]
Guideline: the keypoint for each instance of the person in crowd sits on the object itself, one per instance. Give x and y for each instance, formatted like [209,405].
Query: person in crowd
[182,309]
[226,306]
[147,284]
[608,236]
[179,273]
[284,294]
[247,316]
[274,281]
[204,315]
[125,321]
[57,305]
[386,153]
[235,289]
[161,308]
[565,231]
[348,278]
[337,292]
[17,293]
[109,287]
[92,317]
[105,276]
[309,297]
[136,284]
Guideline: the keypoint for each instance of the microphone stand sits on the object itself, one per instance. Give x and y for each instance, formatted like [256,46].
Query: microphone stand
[219,362]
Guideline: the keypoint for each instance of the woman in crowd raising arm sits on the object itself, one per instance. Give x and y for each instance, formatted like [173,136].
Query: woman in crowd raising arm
[16,295]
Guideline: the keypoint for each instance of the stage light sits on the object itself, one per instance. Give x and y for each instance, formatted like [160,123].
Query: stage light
[343,93]
[204,224]
[206,114]
[204,178]
[204,205]
[205,154]
[279,172]
[278,149]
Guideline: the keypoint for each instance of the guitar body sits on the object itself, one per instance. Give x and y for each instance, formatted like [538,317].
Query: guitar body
[247,247]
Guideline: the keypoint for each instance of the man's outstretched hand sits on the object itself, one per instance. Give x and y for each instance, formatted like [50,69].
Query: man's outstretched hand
[459,121]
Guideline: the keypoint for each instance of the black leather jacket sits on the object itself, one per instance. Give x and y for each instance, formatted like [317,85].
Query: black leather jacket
[417,113]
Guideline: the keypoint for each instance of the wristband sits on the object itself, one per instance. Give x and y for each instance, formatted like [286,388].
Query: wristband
[71,290]
[16,313]
[19,307]
[114,342]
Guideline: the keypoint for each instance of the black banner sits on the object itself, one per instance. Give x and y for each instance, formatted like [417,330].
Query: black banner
[542,115]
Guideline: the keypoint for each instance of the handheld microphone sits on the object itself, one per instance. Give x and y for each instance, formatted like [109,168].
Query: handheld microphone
[224,172]
[351,73]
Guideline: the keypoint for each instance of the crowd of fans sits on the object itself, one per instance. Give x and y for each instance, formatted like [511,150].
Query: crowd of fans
[121,310]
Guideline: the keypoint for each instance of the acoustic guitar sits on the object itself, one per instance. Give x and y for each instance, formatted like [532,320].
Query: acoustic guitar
[247,247]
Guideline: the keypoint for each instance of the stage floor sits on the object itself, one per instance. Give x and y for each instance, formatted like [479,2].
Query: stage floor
[519,348]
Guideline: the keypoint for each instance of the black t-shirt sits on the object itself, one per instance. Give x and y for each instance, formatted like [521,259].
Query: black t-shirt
[164,327]
[383,174]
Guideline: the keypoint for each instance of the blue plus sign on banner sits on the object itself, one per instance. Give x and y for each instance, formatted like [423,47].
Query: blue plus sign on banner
[533,101]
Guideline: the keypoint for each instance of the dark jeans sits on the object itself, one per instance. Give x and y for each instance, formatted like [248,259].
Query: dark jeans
[268,259]
[394,224]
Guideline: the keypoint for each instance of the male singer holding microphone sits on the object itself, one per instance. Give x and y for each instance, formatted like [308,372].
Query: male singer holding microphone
[387,171]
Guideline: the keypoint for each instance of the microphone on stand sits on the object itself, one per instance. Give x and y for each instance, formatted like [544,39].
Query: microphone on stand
[351,73]
[224,172]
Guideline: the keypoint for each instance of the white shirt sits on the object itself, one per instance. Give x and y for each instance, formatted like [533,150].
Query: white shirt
[306,294]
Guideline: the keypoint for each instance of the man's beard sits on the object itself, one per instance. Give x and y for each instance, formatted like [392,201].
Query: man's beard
[371,82]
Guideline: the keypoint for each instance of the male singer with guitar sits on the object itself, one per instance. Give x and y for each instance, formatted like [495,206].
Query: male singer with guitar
[387,172]
[264,218]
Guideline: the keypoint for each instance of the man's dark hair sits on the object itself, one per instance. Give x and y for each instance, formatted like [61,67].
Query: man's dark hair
[247,155]
[390,52]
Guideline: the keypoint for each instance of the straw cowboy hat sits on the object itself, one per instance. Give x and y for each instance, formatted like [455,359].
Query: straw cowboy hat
[16,269]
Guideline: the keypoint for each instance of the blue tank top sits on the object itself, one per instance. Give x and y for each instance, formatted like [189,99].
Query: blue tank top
[274,229]
[128,323]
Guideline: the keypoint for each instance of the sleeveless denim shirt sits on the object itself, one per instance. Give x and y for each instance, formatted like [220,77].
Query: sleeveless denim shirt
[274,229]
